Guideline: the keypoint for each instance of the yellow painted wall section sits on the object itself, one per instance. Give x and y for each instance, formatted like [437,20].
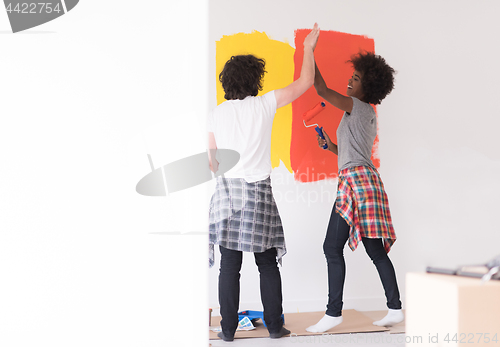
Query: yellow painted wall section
[280,68]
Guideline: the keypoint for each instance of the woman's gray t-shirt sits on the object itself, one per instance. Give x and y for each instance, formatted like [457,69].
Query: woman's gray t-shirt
[355,136]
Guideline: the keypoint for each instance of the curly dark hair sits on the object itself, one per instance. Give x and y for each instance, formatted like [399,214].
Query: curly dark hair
[242,76]
[378,76]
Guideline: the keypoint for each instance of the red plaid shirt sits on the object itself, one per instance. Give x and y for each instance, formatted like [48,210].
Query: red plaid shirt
[362,202]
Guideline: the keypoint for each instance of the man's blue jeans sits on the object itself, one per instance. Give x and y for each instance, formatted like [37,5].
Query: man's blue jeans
[229,289]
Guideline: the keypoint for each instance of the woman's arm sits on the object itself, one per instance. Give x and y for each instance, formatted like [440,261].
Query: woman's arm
[336,99]
[286,95]
[212,149]
[331,146]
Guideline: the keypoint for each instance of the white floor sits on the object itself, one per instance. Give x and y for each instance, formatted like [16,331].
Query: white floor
[382,339]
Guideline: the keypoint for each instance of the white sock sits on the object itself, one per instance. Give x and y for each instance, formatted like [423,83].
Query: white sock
[392,317]
[325,323]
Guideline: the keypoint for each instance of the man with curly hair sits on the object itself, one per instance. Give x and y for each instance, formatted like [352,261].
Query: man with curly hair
[361,210]
[243,215]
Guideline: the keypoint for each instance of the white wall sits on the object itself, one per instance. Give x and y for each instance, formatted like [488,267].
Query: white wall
[438,141]
[84,259]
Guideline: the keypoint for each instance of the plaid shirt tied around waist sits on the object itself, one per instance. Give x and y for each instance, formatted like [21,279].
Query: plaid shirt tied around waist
[244,217]
[362,202]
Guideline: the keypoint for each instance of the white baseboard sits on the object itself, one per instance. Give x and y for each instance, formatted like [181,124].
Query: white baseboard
[293,306]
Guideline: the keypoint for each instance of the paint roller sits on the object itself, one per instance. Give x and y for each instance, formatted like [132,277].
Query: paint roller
[307,116]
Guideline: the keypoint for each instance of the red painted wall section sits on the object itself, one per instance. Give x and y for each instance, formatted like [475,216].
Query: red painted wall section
[309,162]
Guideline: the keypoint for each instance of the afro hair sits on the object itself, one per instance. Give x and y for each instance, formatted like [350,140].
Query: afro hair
[378,76]
[242,76]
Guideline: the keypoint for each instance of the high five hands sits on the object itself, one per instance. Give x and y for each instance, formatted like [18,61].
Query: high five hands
[312,38]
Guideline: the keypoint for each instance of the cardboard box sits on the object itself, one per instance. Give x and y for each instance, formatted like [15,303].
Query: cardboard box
[444,310]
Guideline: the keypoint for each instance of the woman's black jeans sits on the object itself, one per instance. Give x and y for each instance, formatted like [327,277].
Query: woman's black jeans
[229,289]
[336,237]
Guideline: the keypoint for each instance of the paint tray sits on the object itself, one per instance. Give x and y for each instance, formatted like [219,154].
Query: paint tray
[255,315]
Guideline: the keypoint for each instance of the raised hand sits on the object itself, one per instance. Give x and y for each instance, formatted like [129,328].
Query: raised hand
[312,38]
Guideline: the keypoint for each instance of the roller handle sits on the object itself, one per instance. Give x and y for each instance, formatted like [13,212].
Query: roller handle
[320,133]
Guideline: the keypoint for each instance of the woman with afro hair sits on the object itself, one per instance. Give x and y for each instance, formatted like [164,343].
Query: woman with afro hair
[361,210]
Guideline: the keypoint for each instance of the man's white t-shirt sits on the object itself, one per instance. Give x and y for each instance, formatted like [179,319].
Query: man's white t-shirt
[245,126]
